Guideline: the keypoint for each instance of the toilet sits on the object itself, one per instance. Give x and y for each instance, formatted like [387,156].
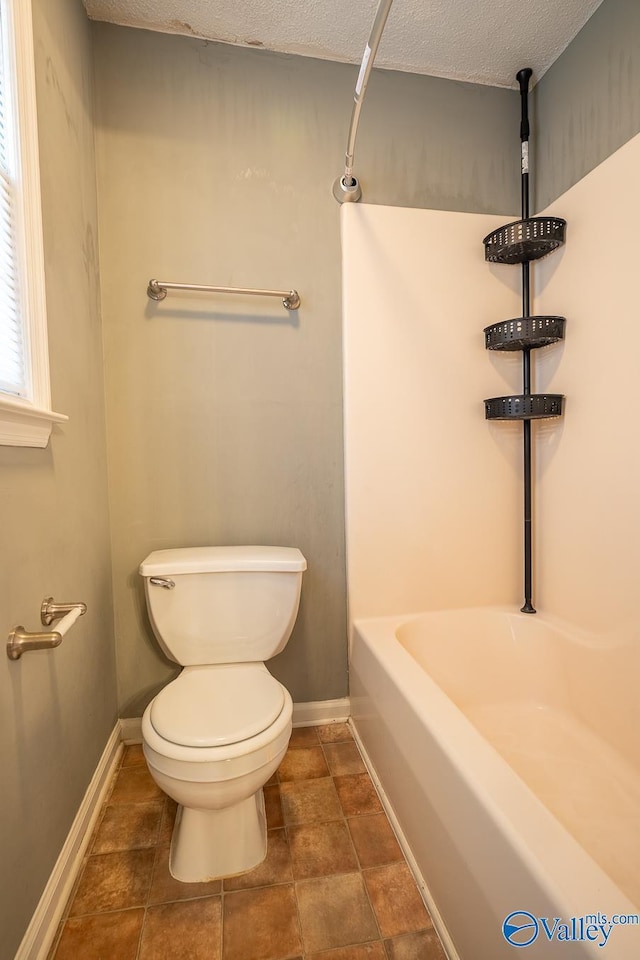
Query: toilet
[214,735]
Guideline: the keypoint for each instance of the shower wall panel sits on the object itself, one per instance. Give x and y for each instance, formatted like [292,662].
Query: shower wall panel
[588,467]
[433,492]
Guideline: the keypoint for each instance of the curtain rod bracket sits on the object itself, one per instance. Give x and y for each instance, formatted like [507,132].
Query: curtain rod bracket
[347,192]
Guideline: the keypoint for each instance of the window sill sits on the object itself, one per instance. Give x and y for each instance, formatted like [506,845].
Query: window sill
[24,425]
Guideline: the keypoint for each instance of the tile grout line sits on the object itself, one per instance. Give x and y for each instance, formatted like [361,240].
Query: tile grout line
[288,826]
[344,819]
[361,869]
[293,879]
[298,916]
[431,927]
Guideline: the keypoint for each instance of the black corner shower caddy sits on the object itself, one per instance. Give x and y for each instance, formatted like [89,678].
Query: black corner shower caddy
[522,242]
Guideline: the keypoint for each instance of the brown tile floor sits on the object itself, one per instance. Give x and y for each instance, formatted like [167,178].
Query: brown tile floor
[334,885]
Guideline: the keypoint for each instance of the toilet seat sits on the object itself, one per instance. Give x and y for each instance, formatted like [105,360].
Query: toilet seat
[217,705]
[216,763]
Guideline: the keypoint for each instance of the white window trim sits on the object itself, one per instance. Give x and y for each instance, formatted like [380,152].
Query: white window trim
[28,422]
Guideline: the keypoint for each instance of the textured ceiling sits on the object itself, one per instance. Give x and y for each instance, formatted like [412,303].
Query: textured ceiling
[482,41]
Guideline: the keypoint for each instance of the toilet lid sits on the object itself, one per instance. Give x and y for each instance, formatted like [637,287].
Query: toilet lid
[216,705]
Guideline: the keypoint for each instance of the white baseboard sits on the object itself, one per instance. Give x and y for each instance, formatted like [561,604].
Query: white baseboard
[321,711]
[44,923]
[131,730]
[436,916]
[304,715]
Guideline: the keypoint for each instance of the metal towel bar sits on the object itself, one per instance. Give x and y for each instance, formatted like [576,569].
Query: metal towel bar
[157,290]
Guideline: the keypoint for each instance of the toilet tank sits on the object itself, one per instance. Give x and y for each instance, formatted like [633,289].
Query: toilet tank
[223,604]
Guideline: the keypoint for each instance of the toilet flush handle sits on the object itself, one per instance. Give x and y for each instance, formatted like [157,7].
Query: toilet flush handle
[162,582]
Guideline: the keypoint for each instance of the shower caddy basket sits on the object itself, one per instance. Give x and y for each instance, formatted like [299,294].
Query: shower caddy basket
[522,242]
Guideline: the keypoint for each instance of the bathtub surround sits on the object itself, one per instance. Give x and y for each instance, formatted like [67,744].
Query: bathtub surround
[59,706]
[408,486]
[589,474]
[432,491]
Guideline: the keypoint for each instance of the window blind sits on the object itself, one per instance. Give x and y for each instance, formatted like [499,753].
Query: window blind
[13,376]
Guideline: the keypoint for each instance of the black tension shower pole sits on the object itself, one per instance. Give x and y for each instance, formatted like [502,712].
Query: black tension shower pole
[523,241]
[523,77]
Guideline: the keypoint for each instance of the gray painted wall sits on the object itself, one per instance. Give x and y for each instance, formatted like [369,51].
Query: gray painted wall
[588,104]
[59,706]
[224,417]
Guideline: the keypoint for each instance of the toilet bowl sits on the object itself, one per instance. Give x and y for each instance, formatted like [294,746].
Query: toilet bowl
[214,735]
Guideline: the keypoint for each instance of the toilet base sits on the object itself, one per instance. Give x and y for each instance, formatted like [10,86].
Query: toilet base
[208,844]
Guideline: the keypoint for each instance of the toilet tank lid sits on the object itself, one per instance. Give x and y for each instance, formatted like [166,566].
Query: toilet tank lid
[221,560]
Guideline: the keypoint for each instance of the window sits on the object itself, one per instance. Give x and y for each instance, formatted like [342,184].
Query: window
[25,400]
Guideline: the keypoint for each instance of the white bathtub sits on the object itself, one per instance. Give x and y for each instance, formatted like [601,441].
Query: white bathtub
[511,773]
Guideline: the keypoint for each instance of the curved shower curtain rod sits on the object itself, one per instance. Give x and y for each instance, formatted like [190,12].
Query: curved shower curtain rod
[347,188]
